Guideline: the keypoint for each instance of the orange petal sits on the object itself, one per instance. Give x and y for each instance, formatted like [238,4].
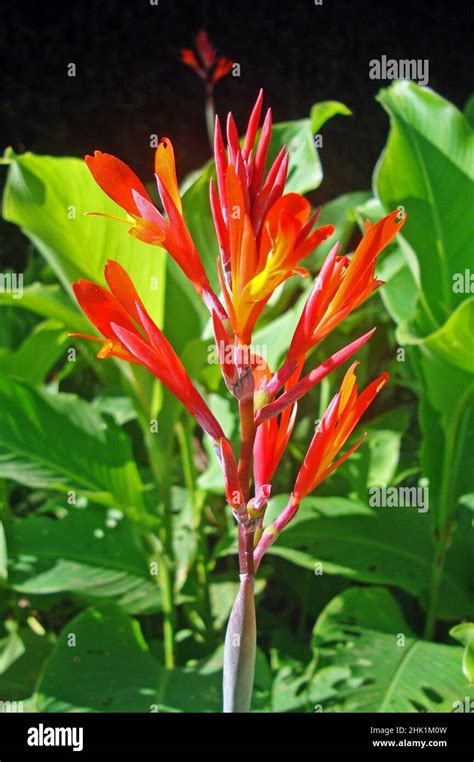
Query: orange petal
[122,288]
[101,307]
[223,67]
[117,180]
[341,460]
[188,57]
[347,387]
[362,264]
[165,168]
[236,209]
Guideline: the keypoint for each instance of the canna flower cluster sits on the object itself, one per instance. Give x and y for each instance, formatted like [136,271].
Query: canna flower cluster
[204,60]
[264,236]
[210,68]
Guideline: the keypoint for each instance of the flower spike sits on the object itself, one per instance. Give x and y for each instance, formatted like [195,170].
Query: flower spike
[262,233]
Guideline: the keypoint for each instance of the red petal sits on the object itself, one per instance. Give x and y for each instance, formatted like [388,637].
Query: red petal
[101,308]
[117,180]
[121,286]
[313,378]
[252,126]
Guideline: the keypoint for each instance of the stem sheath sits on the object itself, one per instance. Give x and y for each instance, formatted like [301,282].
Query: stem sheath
[240,649]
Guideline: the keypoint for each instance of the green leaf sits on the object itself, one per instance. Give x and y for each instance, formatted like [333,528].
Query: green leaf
[88,552]
[383,546]
[33,360]
[427,167]
[305,172]
[48,302]
[298,690]
[118,406]
[384,449]
[185,541]
[22,657]
[322,112]
[212,478]
[454,341]
[110,669]
[364,630]
[469,110]
[61,442]
[465,634]
[47,197]
[304,169]
[447,423]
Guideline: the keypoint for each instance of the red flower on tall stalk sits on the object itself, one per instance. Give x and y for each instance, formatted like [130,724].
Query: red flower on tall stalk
[205,62]
[210,68]
[264,236]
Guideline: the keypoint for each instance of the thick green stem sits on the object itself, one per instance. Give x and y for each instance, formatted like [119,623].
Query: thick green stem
[240,649]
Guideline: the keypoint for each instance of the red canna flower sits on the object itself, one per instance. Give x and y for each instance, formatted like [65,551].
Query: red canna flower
[263,235]
[338,422]
[121,184]
[342,285]
[207,64]
[130,334]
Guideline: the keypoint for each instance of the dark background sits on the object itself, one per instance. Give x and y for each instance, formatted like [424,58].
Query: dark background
[130,82]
